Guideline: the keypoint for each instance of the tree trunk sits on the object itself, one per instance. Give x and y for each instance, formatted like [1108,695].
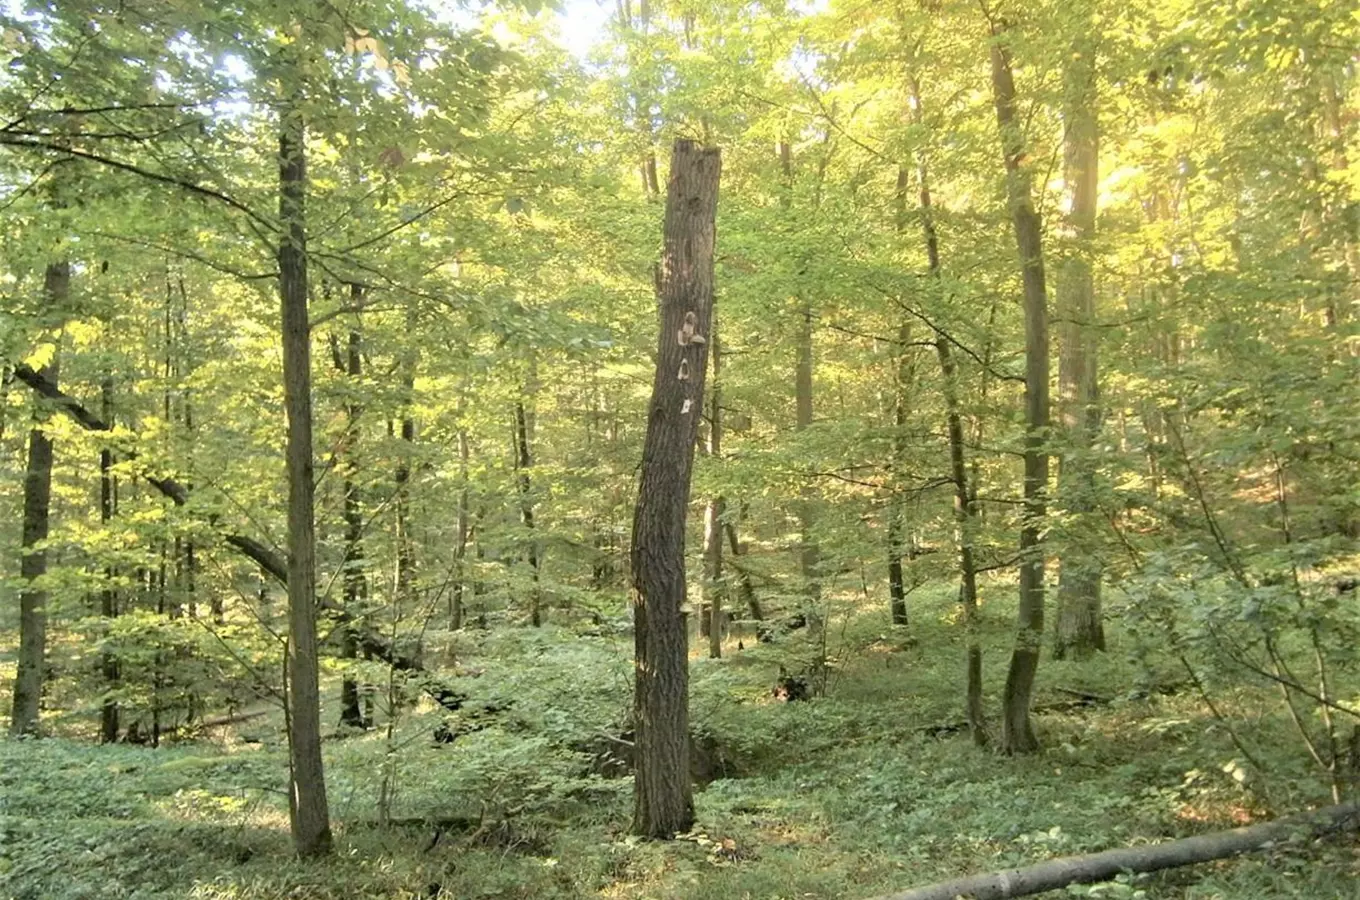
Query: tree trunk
[355,575]
[748,591]
[28,678]
[1056,874]
[108,598]
[713,511]
[524,461]
[1017,733]
[965,506]
[309,814]
[457,599]
[1079,630]
[663,802]
[903,376]
[802,390]
[406,554]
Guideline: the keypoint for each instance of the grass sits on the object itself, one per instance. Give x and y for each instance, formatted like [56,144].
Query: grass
[851,795]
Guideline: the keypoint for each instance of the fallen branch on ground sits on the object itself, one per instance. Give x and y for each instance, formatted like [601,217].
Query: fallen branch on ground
[1103,866]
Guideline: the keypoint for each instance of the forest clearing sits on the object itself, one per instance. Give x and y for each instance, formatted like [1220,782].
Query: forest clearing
[649,449]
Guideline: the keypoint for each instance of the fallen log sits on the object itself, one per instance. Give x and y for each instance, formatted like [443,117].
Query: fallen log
[1103,866]
[271,562]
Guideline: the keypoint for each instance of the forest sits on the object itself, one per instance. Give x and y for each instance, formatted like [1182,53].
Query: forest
[675,449]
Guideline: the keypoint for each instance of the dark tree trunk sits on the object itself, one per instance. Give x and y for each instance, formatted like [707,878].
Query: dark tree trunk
[310,815]
[714,509]
[355,573]
[406,553]
[1017,732]
[965,508]
[1080,630]
[28,678]
[663,802]
[524,461]
[108,598]
[457,601]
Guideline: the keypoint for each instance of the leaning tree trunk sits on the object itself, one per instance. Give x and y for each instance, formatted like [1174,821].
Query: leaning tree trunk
[308,809]
[1017,733]
[663,802]
[965,506]
[1079,630]
[28,679]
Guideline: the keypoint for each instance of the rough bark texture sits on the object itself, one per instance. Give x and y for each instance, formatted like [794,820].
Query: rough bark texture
[1017,733]
[28,678]
[663,802]
[1080,630]
[1103,866]
[310,816]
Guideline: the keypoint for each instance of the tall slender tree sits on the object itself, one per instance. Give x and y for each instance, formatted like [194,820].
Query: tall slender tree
[1017,732]
[663,800]
[33,596]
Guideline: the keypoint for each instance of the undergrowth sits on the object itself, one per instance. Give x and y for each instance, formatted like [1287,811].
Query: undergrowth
[868,789]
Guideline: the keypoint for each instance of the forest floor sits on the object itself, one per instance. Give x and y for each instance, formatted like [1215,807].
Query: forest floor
[865,790]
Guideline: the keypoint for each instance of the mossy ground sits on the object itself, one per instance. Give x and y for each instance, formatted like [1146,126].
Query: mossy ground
[849,796]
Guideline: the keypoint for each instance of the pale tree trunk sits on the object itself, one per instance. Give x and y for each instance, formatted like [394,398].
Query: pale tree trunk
[714,509]
[965,504]
[28,678]
[1080,630]
[355,573]
[904,376]
[108,598]
[309,813]
[663,799]
[1017,732]
[808,556]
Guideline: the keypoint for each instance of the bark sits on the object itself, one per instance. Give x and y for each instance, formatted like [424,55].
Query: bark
[808,556]
[965,504]
[108,598]
[713,511]
[1080,630]
[1017,732]
[309,814]
[28,678]
[663,801]
[406,556]
[355,574]
[897,524]
[524,462]
[1104,866]
[457,598]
